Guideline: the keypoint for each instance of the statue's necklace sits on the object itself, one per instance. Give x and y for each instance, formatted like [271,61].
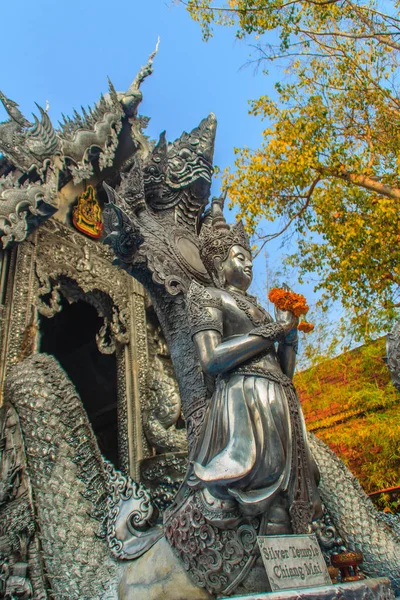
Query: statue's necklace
[245,303]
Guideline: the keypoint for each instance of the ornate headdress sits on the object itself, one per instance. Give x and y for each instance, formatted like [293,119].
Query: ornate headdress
[217,238]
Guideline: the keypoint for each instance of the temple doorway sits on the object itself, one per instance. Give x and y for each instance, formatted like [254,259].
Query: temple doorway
[70,336]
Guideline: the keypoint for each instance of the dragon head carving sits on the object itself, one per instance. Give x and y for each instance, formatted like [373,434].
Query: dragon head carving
[185,166]
[27,145]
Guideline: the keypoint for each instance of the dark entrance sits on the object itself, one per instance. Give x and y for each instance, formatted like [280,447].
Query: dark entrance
[70,336]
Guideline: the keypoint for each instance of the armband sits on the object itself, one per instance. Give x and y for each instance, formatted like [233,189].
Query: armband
[270,331]
[200,304]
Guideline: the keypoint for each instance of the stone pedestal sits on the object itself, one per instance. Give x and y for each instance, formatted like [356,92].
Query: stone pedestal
[368,589]
[158,575]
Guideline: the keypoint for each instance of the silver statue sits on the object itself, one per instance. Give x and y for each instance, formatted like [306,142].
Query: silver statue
[253,449]
[250,471]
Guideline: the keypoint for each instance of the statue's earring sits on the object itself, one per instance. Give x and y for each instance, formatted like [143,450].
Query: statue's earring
[219,278]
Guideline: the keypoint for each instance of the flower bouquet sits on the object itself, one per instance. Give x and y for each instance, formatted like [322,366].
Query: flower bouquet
[285,299]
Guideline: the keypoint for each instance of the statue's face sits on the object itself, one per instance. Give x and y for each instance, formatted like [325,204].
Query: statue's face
[237,268]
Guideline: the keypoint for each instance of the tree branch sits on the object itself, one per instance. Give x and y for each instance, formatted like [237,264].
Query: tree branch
[272,236]
[363,181]
[354,36]
[370,25]
[356,69]
[191,4]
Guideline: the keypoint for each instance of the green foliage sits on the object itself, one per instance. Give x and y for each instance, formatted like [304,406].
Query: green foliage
[351,404]
[387,502]
[329,163]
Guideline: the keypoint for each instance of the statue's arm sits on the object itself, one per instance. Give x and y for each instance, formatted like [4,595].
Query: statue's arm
[205,315]
[218,357]
[287,348]
[287,351]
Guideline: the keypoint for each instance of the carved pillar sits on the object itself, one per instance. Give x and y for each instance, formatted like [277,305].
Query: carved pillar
[132,369]
[7,258]
[123,422]
[18,309]
[137,358]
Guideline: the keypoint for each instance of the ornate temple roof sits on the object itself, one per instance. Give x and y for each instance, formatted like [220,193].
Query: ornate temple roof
[38,159]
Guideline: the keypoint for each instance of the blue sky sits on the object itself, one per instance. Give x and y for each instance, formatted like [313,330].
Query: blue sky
[63,52]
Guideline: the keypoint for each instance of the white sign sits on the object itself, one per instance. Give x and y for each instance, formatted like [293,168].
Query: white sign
[293,561]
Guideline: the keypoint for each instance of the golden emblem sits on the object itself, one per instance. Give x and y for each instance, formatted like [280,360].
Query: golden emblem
[86,215]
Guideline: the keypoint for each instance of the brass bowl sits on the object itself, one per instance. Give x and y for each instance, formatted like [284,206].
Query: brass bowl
[347,559]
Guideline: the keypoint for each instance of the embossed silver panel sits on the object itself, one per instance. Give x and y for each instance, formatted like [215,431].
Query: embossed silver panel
[57,261]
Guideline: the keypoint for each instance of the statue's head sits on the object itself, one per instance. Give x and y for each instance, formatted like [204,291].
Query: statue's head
[237,268]
[225,251]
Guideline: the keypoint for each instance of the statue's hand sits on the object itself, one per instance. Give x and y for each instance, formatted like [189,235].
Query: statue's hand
[286,319]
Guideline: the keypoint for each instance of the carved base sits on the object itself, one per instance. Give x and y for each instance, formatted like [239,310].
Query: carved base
[216,559]
[162,475]
[369,589]
[158,575]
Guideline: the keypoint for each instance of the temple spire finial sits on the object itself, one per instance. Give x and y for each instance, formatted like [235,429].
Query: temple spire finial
[133,97]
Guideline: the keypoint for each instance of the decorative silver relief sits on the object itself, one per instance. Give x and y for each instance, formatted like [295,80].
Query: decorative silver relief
[124,424]
[153,215]
[72,266]
[22,207]
[131,517]
[27,145]
[68,480]
[17,525]
[216,559]
[328,537]
[20,301]
[57,262]
[162,409]
[163,475]
[38,160]
[79,269]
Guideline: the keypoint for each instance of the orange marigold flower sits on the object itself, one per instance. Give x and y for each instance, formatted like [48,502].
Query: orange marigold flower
[286,300]
[306,327]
